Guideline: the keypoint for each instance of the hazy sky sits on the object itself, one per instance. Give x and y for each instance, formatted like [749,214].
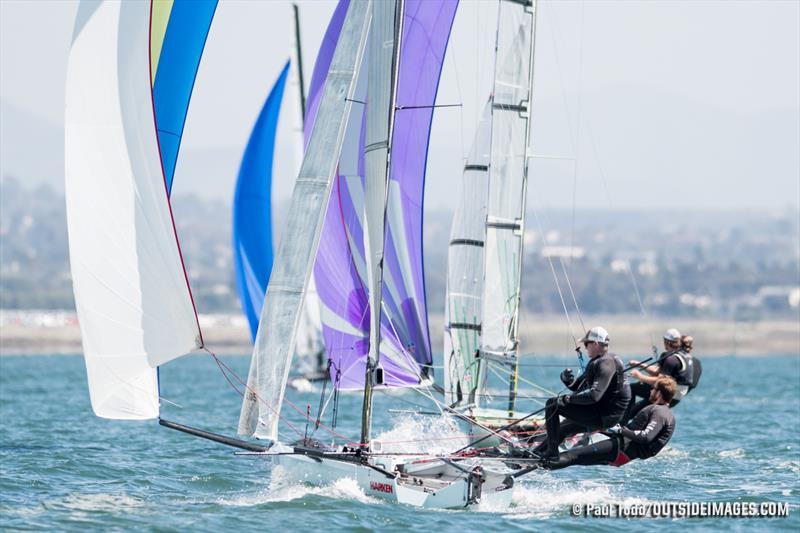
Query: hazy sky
[692,104]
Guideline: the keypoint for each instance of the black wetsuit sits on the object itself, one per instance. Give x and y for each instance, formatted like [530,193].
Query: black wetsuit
[643,438]
[601,397]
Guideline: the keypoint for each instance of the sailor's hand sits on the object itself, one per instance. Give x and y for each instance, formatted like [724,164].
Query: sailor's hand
[614,430]
[567,377]
[563,400]
[634,362]
[636,374]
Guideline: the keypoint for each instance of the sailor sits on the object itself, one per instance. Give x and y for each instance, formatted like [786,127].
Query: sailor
[601,395]
[675,362]
[687,343]
[642,438]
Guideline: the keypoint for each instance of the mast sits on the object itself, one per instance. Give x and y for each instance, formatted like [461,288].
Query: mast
[383,65]
[299,53]
[514,377]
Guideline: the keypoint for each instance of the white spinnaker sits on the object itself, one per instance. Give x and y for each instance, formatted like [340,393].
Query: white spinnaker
[507,179]
[292,268]
[465,273]
[131,293]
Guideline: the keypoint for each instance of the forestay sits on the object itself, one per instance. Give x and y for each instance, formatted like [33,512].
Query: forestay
[300,236]
[131,293]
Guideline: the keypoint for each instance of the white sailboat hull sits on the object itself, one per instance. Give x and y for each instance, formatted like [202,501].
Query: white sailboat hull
[434,485]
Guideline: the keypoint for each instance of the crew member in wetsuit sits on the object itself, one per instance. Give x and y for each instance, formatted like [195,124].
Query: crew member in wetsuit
[675,362]
[642,438]
[601,396]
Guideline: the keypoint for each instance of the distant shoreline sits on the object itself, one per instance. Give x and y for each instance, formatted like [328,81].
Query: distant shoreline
[228,334]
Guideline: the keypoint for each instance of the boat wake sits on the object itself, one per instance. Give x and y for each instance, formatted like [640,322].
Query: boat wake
[283,489]
[551,498]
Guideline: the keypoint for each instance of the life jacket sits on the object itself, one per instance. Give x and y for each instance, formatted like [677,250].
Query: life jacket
[687,373]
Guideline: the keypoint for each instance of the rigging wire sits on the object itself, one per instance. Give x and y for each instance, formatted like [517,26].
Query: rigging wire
[645,315]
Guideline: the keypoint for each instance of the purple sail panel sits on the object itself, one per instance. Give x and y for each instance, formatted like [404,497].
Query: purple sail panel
[340,268]
[426,30]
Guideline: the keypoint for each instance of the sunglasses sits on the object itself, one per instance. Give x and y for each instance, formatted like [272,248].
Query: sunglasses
[587,343]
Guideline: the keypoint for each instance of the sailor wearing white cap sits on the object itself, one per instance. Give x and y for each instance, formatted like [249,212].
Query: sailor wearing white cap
[599,400]
[674,362]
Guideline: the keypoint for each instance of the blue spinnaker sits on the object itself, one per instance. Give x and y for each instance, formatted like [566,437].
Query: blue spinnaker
[252,213]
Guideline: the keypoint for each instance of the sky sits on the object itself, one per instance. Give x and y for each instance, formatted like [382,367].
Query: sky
[659,104]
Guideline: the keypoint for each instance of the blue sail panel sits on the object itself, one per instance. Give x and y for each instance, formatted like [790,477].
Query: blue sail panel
[175,71]
[252,213]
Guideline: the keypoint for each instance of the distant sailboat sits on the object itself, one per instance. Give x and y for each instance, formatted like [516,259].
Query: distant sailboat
[252,219]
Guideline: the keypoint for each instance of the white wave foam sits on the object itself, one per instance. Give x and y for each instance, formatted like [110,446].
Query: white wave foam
[673,453]
[425,434]
[736,453]
[792,466]
[547,497]
[283,489]
[102,502]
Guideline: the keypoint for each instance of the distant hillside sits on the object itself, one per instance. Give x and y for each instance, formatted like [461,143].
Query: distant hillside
[712,264]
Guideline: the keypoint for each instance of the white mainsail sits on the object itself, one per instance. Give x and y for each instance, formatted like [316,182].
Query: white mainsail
[131,292]
[465,273]
[280,314]
[484,263]
[507,179]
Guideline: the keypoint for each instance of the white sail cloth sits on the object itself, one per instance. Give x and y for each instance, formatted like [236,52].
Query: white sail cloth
[131,292]
[507,179]
[465,273]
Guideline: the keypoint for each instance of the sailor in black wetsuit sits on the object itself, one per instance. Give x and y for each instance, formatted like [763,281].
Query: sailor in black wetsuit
[677,362]
[643,438]
[601,396]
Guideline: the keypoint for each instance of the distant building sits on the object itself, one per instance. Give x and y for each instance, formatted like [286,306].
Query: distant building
[564,252]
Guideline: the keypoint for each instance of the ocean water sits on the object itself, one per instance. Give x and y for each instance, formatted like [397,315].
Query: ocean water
[61,468]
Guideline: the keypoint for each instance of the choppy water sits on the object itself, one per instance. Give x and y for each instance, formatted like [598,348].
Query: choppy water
[737,440]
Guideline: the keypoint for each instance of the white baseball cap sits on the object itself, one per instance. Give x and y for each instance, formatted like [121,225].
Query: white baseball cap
[672,335]
[596,334]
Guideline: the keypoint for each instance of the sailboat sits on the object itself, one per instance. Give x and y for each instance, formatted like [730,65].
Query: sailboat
[370,339]
[252,217]
[481,340]
[132,293]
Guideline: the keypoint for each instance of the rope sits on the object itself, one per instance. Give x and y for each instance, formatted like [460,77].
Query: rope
[221,364]
[555,278]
